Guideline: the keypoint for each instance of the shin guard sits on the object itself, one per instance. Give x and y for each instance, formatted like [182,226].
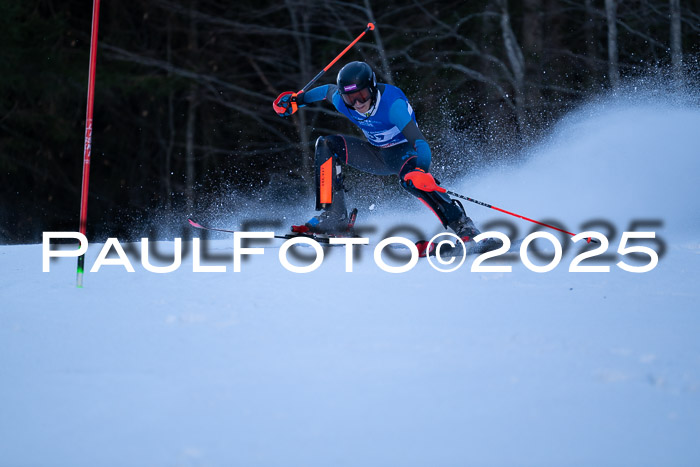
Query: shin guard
[327,175]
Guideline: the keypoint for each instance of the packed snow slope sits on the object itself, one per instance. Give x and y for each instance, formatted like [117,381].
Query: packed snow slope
[266,367]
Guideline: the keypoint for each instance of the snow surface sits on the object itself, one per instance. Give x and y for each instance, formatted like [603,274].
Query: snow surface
[270,368]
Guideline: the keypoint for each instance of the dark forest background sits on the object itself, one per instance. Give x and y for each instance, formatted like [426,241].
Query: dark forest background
[183,112]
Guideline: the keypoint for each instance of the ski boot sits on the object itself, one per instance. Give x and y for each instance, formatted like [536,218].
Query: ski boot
[326,223]
[330,223]
[464,228]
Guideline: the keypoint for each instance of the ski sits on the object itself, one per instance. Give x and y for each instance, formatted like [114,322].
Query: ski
[197,225]
[321,238]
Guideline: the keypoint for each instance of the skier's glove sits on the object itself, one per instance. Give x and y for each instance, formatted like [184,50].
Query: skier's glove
[287,103]
[422,180]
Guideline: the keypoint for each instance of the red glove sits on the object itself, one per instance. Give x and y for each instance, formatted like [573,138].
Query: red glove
[286,103]
[423,181]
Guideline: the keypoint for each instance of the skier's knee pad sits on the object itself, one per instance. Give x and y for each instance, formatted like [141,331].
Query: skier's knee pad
[328,171]
[330,146]
[441,204]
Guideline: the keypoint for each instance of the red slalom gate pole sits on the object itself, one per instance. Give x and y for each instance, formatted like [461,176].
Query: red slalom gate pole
[88,134]
[481,203]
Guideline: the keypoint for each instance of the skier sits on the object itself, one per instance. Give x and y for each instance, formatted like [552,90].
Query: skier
[395,146]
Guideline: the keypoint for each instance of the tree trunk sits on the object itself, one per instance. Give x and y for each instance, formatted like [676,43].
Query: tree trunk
[532,49]
[676,47]
[492,107]
[170,145]
[189,146]
[193,102]
[517,64]
[304,53]
[590,34]
[377,37]
[532,28]
[613,65]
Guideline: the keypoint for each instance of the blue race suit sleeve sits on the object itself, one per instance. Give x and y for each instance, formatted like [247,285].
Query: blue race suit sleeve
[399,116]
[317,94]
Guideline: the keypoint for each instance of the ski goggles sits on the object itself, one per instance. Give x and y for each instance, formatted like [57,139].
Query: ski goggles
[358,97]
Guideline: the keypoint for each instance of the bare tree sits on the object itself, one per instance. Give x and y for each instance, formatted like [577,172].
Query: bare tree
[192,104]
[533,41]
[532,27]
[590,33]
[300,20]
[386,69]
[676,47]
[170,144]
[516,61]
[613,65]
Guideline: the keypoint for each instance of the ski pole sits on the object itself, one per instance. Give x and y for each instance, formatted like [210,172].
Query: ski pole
[280,109]
[481,203]
[370,27]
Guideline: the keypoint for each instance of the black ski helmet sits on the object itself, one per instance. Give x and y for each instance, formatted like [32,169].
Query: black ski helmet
[356,76]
